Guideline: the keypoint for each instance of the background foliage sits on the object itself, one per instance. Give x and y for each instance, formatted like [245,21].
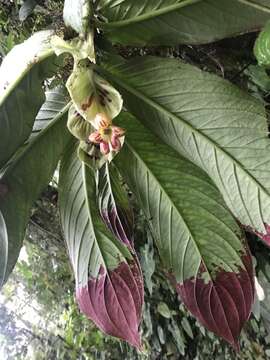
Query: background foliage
[43,285]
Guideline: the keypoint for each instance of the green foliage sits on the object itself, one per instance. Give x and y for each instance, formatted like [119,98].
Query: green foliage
[148,23]
[196,165]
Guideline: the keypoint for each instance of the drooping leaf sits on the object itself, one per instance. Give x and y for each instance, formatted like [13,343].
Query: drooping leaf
[262,47]
[109,286]
[170,22]
[56,100]
[210,121]
[22,73]
[113,204]
[3,248]
[77,15]
[199,242]
[24,178]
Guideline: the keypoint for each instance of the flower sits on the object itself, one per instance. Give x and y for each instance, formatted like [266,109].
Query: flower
[107,135]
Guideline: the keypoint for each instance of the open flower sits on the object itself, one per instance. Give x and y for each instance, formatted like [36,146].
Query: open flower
[107,135]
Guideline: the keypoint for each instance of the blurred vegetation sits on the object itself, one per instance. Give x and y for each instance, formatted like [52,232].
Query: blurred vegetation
[39,318]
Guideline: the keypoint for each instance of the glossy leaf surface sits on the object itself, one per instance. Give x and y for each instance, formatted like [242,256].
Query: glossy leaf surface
[151,22]
[199,242]
[56,100]
[21,95]
[217,126]
[23,180]
[114,206]
[108,279]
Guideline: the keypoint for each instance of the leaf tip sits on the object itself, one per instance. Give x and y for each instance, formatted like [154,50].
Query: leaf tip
[113,301]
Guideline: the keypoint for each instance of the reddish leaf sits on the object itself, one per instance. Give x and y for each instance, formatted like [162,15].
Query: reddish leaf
[109,282]
[222,305]
[114,301]
[114,205]
[200,244]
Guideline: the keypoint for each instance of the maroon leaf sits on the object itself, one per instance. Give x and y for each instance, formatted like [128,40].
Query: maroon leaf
[109,282]
[200,244]
[114,205]
[114,301]
[224,304]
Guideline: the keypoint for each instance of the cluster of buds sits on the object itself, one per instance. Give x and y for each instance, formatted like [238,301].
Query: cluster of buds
[106,135]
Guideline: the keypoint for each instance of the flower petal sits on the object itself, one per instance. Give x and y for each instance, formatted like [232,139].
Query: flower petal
[115,142]
[104,148]
[95,137]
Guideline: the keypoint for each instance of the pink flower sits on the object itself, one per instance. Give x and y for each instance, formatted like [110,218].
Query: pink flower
[107,135]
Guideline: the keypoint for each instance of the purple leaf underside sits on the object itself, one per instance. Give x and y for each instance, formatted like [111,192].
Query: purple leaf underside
[114,301]
[119,225]
[224,304]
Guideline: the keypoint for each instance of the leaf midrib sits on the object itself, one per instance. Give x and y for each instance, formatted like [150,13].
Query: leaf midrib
[95,231]
[191,237]
[88,206]
[36,139]
[171,116]
[255,6]
[156,13]
[138,157]
[147,16]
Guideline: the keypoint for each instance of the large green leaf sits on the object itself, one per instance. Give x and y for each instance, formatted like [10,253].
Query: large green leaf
[114,205]
[151,22]
[56,100]
[23,180]
[21,95]
[108,278]
[210,121]
[200,243]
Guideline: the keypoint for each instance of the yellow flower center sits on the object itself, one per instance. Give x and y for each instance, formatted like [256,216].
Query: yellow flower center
[105,133]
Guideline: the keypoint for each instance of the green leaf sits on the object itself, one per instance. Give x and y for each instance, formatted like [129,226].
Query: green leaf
[216,125]
[56,100]
[262,47]
[164,310]
[258,75]
[77,15]
[21,93]
[3,248]
[114,205]
[170,22]
[178,337]
[108,283]
[199,241]
[25,177]
[186,326]
[89,242]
